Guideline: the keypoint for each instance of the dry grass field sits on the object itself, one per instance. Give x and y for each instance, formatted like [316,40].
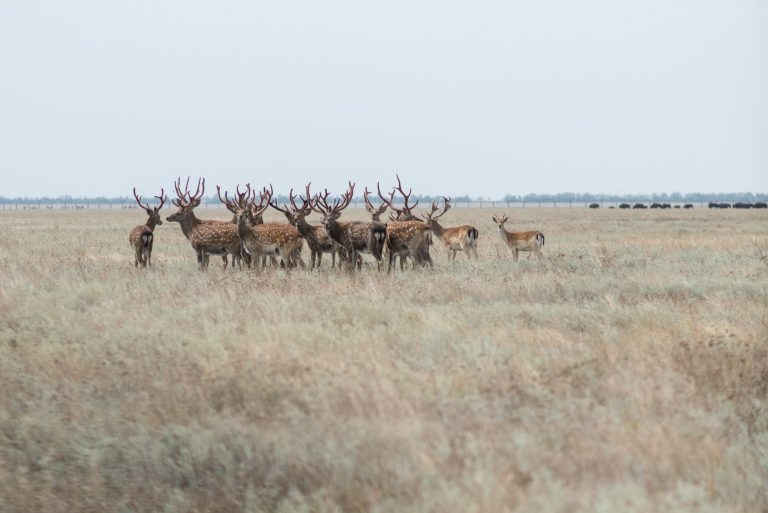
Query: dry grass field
[626,371]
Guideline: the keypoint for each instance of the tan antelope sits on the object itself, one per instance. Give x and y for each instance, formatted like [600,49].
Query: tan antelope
[278,240]
[354,236]
[317,237]
[408,237]
[208,237]
[455,238]
[142,237]
[520,241]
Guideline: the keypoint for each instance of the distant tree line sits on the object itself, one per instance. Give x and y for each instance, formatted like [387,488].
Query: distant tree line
[562,197]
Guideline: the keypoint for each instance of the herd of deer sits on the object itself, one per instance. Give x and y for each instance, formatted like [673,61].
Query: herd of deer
[247,238]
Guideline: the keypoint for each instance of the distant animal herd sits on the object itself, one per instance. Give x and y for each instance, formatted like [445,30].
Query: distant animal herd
[250,242]
[738,204]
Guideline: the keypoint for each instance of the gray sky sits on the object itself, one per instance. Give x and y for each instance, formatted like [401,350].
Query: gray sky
[479,98]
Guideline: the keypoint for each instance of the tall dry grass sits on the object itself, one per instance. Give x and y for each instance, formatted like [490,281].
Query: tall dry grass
[627,371]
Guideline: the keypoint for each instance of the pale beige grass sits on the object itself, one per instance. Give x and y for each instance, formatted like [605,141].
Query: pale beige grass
[626,371]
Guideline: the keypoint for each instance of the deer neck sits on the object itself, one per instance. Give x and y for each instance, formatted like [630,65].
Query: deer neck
[304,227]
[151,223]
[436,228]
[243,226]
[189,224]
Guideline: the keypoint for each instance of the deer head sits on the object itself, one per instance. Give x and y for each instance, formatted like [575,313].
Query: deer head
[500,220]
[186,202]
[400,214]
[432,216]
[152,212]
[374,211]
[295,214]
[331,212]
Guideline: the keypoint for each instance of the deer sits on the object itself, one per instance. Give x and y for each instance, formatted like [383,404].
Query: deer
[208,237]
[142,236]
[407,235]
[520,241]
[317,237]
[456,238]
[255,219]
[354,236]
[278,240]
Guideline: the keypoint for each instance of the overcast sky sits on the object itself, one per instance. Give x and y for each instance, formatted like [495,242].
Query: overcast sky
[481,98]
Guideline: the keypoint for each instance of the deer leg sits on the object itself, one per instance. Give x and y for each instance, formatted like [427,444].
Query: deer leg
[300,260]
[516,254]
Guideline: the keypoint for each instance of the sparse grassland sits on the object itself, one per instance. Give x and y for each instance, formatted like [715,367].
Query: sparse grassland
[626,371]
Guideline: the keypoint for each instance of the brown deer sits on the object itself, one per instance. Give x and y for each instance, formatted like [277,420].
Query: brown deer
[278,240]
[208,237]
[520,241]
[142,236]
[255,219]
[407,235]
[456,238]
[317,237]
[354,236]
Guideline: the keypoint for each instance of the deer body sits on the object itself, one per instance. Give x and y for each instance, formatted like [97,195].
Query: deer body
[408,239]
[318,240]
[142,237]
[455,238]
[407,235]
[356,236]
[531,241]
[208,237]
[317,237]
[276,240]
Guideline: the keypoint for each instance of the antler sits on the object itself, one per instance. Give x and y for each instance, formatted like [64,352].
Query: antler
[181,196]
[195,198]
[231,206]
[162,198]
[369,206]
[435,208]
[305,208]
[321,206]
[138,200]
[264,201]
[406,197]
[286,210]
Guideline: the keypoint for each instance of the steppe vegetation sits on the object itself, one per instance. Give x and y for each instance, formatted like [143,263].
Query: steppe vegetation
[627,370]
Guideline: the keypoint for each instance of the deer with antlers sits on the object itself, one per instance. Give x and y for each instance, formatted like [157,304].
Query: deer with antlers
[317,237]
[142,236]
[354,236]
[407,235]
[531,241]
[208,237]
[456,238]
[278,240]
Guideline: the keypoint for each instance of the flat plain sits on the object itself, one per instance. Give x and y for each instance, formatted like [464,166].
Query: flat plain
[625,371]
